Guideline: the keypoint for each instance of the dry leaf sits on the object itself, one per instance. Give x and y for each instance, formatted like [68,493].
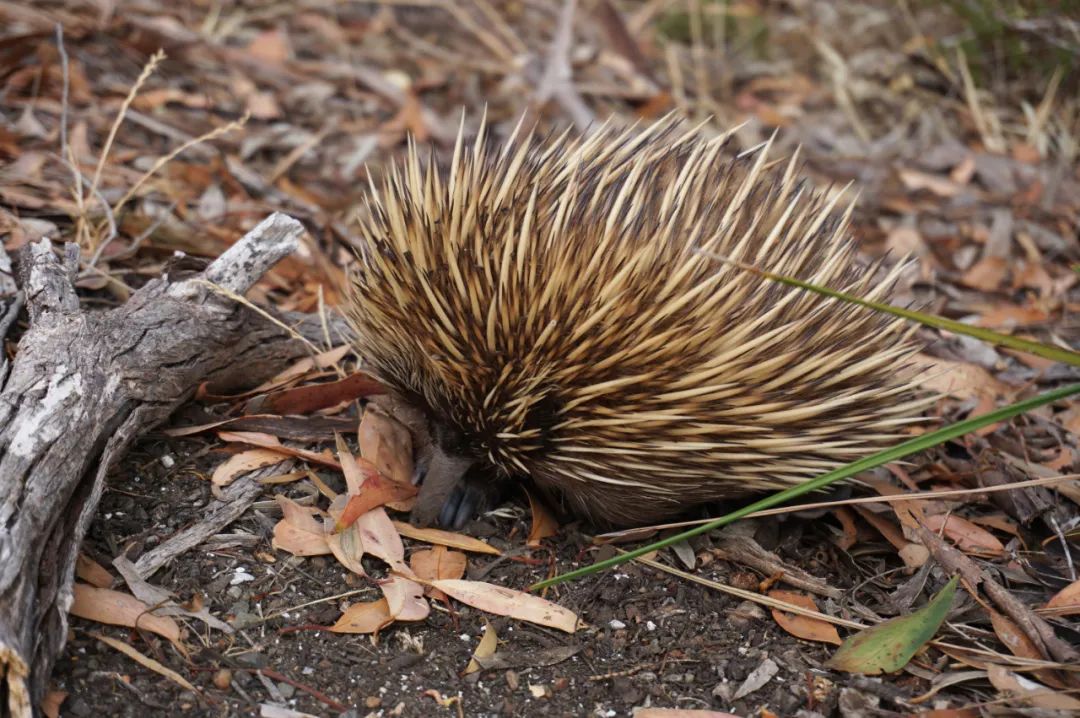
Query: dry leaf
[847,525]
[1020,645]
[314,397]
[904,241]
[436,563]
[348,548]
[273,444]
[120,609]
[271,46]
[364,618]
[968,537]
[543,523]
[244,462]
[387,444]
[92,572]
[508,602]
[446,538]
[1009,316]
[805,627]
[355,472]
[376,492]
[941,186]
[1029,691]
[299,532]
[1066,602]
[987,274]
[484,649]
[50,704]
[320,361]
[381,539]
[959,379]
[912,554]
[405,599]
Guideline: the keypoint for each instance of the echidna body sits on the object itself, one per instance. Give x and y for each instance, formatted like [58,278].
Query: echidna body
[558,313]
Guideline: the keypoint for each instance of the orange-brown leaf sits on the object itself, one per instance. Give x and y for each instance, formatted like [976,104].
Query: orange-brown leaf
[805,627]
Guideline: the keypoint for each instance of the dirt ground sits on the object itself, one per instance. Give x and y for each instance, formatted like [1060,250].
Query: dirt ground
[652,639]
[957,123]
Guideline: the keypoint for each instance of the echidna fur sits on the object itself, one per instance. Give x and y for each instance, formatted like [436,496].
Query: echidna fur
[557,312]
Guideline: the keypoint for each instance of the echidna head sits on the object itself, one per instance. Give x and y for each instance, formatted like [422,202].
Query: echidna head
[463,459]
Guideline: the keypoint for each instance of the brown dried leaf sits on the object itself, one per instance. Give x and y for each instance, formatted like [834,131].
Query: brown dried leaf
[968,537]
[244,462]
[299,532]
[1020,645]
[355,473]
[446,538]
[320,361]
[988,274]
[376,491]
[271,47]
[387,444]
[436,563]
[504,601]
[484,649]
[405,599]
[120,609]
[348,548]
[92,572]
[1029,691]
[364,618]
[50,704]
[959,379]
[544,524]
[805,627]
[1066,602]
[272,444]
[314,397]
[381,539]
[941,186]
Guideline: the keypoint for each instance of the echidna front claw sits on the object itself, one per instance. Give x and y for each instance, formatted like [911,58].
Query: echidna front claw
[420,467]
[467,500]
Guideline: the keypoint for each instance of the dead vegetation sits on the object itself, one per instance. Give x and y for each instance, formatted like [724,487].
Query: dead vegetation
[957,122]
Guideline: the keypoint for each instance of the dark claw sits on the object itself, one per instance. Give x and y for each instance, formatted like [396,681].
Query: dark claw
[449,512]
[420,468]
[468,500]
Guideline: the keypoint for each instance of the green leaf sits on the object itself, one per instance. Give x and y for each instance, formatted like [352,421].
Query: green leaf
[887,647]
[848,470]
[1047,351]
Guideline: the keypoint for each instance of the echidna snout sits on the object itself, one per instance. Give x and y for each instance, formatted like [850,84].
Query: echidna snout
[557,309]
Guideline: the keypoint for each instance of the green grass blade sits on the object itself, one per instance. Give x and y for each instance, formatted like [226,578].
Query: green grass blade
[1047,351]
[899,451]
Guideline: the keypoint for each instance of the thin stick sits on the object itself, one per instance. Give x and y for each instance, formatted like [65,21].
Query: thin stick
[217,288]
[147,70]
[162,161]
[66,89]
[923,496]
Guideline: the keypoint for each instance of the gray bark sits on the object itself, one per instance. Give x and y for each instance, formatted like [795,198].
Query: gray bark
[82,387]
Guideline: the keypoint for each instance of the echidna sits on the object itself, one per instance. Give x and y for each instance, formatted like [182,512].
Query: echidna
[554,311]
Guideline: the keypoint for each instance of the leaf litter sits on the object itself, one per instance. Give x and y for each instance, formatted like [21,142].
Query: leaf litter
[251,113]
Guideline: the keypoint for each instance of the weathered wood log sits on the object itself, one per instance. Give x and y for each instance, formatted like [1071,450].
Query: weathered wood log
[82,387]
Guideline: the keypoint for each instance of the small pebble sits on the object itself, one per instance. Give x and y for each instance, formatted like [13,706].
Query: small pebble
[222,678]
